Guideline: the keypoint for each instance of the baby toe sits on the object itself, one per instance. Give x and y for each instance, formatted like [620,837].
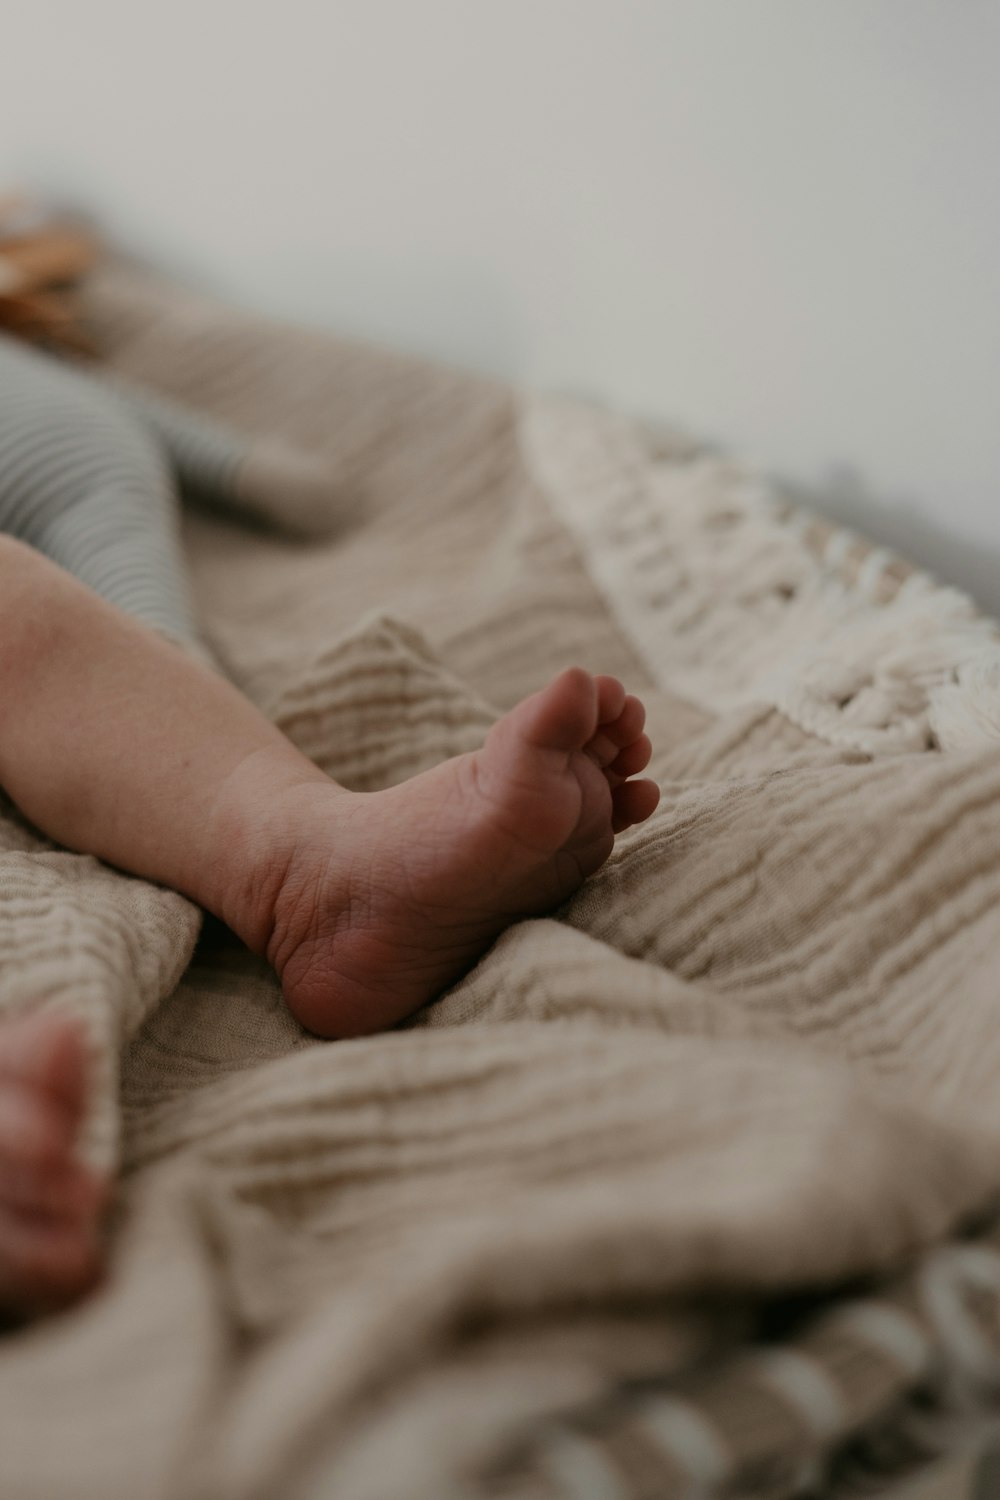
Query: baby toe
[615,734]
[62,1189]
[46,1053]
[629,723]
[634,758]
[610,698]
[34,1132]
[563,716]
[633,802]
[44,1261]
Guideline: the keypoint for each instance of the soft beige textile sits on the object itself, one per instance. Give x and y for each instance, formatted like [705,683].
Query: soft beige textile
[756,1055]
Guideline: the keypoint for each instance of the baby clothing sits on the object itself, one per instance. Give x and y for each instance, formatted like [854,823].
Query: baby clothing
[91,474]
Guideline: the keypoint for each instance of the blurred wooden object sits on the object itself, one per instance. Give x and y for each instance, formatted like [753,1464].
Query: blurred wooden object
[42,260]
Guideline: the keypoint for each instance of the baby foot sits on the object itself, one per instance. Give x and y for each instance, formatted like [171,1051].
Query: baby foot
[49,1203]
[383,898]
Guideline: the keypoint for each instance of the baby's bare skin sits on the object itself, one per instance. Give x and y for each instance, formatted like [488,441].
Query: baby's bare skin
[49,1203]
[366,904]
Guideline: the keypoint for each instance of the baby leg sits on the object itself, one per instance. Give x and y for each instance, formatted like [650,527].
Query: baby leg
[261,476]
[367,904]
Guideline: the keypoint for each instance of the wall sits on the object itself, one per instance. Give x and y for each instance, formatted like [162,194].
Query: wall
[775,220]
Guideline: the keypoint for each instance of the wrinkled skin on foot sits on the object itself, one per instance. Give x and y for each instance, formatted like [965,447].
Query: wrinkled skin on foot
[49,1203]
[377,901]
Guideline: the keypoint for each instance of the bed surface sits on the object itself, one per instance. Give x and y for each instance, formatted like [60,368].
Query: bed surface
[689,1185]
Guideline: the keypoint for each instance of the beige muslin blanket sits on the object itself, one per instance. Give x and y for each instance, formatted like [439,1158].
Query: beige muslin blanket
[665,1195]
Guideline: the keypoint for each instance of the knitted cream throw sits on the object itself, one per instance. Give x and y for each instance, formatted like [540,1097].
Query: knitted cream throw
[530,1245]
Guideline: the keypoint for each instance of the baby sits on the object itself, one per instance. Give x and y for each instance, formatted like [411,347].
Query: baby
[125,746]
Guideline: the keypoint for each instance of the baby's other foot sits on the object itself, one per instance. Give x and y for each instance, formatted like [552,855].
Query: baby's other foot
[379,900]
[49,1203]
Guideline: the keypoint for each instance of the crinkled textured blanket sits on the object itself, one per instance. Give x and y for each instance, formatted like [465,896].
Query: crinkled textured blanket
[684,1190]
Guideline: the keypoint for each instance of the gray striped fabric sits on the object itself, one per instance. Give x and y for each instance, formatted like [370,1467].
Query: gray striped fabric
[91,474]
[91,486]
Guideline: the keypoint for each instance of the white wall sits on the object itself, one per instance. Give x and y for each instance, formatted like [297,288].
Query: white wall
[776,220]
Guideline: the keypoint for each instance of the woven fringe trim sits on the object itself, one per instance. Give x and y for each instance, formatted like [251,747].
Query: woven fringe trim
[710,573]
